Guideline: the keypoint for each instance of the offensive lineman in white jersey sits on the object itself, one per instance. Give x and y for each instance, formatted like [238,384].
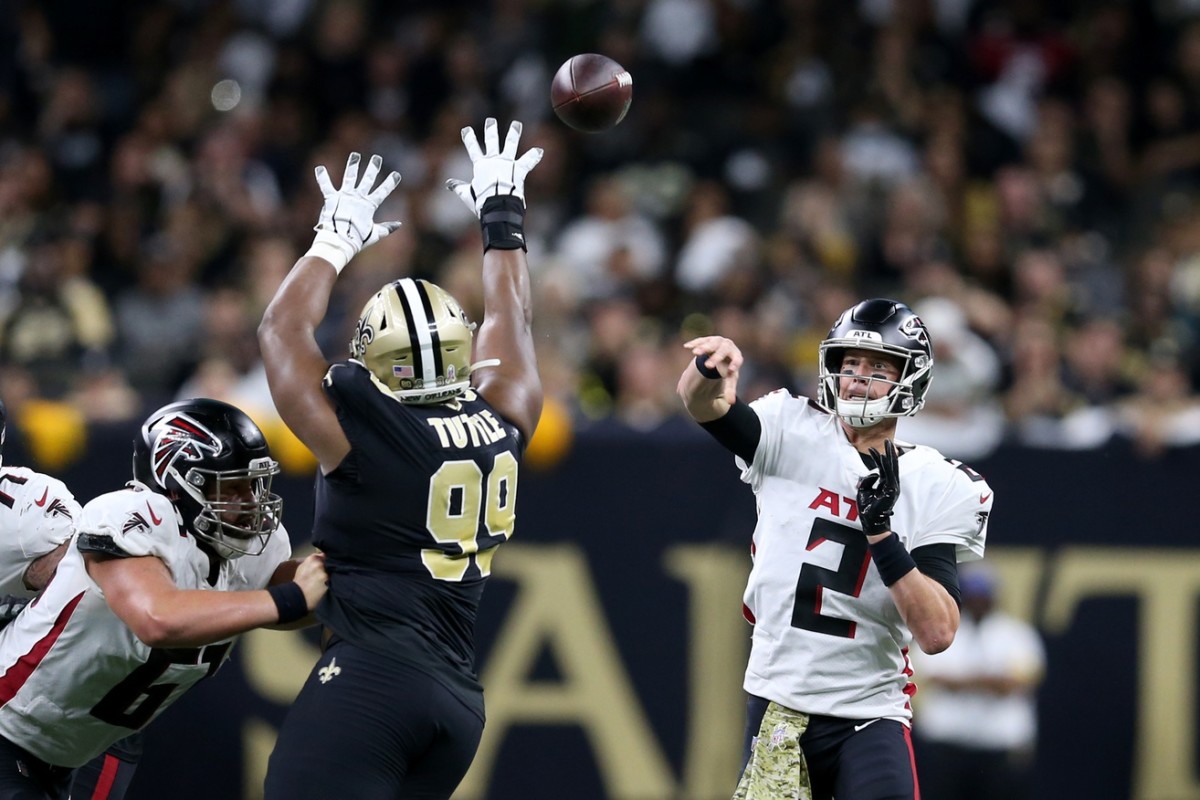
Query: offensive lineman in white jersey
[160,579]
[854,555]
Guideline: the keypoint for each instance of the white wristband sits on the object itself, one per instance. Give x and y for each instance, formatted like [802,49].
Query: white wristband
[329,247]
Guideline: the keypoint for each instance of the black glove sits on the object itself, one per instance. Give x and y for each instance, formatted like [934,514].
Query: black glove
[878,490]
[10,606]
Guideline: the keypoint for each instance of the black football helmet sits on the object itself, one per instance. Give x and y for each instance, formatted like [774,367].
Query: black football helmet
[884,326]
[214,464]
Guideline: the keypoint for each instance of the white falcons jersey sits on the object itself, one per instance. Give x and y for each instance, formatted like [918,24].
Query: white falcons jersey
[75,679]
[828,638]
[37,514]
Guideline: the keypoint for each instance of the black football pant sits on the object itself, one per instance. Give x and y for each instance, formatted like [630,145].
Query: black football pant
[372,728]
[24,777]
[850,759]
[952,772]
[108,776]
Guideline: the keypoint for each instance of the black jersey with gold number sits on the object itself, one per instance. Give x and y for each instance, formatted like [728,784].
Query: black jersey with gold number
[410,520]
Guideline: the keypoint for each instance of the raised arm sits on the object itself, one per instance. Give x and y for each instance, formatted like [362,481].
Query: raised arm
[709,395]
[496,194]
[294,362]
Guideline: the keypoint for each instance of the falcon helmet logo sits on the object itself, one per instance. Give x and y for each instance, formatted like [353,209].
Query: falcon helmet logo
[180,437]
[914,329]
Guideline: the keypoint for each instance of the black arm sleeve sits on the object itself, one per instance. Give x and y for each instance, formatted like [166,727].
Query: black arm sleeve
[937,561]
[738,431]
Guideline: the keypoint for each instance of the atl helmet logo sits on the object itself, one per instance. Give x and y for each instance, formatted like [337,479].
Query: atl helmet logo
[179,437]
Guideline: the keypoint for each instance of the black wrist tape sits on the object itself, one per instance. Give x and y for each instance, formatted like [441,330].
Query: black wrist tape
[891,559]
[289,601]
[503,222]
[707,372]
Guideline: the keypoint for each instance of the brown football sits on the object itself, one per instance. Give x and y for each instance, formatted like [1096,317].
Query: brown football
[591,92]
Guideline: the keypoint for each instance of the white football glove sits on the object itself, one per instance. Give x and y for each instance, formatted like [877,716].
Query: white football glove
[347,222]
[497,172]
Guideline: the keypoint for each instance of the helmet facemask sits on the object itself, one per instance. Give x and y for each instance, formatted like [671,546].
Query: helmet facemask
[416,341]
[236,511]
[884,327]
[898,401]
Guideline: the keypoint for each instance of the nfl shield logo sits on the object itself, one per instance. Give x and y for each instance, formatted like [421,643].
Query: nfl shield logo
[778,736]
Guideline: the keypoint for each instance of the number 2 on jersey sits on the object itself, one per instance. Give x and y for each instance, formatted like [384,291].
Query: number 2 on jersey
[470,511]
[846,579]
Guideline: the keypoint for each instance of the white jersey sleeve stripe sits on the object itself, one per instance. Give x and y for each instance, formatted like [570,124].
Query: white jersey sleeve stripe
[15,676]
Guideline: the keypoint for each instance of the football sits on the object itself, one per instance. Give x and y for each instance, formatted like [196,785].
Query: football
[591,92]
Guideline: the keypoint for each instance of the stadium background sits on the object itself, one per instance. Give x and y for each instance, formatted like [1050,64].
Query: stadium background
[1024,173]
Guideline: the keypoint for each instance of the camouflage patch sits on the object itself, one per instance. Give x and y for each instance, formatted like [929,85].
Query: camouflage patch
[777,769]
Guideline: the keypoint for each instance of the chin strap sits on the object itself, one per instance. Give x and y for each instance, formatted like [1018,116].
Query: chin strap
[487,362]
[858,413]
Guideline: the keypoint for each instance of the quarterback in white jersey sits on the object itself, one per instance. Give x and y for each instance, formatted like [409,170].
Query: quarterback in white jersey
[827,637]
[854,554]
[158,581]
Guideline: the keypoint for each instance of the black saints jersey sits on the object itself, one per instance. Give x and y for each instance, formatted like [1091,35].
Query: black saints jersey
[410,520]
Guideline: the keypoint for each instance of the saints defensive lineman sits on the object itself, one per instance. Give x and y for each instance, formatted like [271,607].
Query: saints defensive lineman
[854,555]
[159,579]
[419,450]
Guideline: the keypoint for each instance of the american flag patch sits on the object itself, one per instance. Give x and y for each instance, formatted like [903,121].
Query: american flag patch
[402,371]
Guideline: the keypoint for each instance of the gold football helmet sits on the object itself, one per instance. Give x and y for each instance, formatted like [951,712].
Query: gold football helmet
[416,340]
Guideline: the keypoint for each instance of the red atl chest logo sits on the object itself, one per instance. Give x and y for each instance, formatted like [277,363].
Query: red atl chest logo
[839,505]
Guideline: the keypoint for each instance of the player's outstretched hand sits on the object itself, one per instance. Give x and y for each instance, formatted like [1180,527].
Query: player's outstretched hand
[879,489]
[722,358]
[347,222]
[497,173]
[312,579]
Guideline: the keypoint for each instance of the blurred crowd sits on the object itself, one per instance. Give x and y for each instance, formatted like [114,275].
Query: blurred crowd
[1025,173]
